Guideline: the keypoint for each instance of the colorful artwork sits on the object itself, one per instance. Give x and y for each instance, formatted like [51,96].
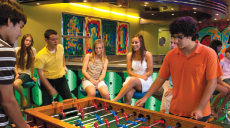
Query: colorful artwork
[92,29]
[109,36]
[122,38]
[210,33]
[72,25]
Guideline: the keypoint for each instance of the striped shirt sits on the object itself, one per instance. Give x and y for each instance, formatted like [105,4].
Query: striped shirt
[7,63]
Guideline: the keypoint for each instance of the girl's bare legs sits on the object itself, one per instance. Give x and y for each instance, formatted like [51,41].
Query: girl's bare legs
[226,99]
[129,95]
[104,92]
[222,92]
[91,91]
[19,88]
[133,83]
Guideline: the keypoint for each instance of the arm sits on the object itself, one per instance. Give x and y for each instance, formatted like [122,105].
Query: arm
[32,65]
[32,72]
[16,71]
[209,89]
[52,91]
[102,76]
[10,106]
[154,87]
[84,66]
[64,66]
[149,59]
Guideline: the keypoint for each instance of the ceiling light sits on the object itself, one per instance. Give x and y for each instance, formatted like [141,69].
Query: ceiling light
[194,8]
[194,12]
[146,2]
[38,3]
[84,0]
[199,22]
[227,19]
[152,14]
[145,5]
[172,14]
[217,14]
[215,19]
[172,8]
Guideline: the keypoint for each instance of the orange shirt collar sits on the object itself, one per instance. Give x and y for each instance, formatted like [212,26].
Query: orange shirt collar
[198,48]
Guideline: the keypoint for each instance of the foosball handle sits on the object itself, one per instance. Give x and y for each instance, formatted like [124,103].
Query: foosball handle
[210,119]
[159,121]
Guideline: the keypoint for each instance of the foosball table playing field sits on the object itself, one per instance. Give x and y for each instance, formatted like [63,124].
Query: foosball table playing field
[99,113]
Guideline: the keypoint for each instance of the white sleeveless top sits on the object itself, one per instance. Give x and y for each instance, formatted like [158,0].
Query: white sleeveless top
[138,67]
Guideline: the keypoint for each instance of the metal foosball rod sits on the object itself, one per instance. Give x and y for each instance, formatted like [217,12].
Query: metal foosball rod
[178,125]
[63,114]
[156,122]
[132,122]
[80,123]
[82,113]
[116,119]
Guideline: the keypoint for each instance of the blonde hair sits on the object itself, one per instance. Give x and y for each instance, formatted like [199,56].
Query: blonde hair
[103,55]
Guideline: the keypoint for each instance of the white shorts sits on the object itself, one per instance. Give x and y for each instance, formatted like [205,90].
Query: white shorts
[86,83]
[146,84]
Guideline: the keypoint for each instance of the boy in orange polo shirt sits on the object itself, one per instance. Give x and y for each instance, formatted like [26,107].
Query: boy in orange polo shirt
[194,69]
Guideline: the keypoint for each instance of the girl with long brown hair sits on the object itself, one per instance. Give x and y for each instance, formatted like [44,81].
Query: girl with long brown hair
[139,68]
[24,68]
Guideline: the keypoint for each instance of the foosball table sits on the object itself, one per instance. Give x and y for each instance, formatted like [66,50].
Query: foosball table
[100,113]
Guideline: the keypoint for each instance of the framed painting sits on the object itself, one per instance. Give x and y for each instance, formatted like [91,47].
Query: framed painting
[72,26]
[93,30]
[122,38]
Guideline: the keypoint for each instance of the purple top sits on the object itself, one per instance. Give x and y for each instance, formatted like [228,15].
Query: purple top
[225,65]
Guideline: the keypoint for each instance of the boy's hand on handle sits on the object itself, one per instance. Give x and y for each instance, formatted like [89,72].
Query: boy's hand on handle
[197,114]
[53,92]
[34,79]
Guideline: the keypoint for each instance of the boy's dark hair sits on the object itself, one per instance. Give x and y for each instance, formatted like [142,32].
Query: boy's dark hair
[49,32]
[214,43]
[185,25]
[11,10]
[227,50]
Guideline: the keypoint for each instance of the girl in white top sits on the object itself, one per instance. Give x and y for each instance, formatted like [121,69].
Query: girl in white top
[139,68]
[24,68]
